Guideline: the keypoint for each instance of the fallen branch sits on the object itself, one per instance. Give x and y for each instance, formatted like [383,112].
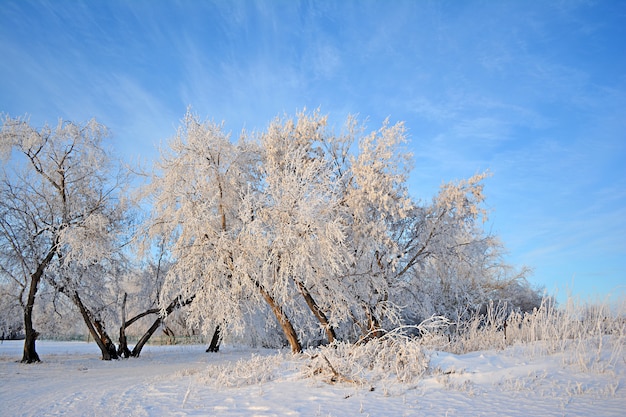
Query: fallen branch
[337,377]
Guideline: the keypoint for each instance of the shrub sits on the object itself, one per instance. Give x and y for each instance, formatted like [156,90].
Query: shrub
[392,357]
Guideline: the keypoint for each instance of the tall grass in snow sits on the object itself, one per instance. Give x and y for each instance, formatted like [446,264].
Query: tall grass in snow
[594,333]
[590,336]
[251,371]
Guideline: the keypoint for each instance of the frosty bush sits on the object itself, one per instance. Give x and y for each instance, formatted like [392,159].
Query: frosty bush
[391,357]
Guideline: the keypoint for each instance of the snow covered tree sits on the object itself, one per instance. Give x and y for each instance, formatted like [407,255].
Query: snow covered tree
[451,266]
[320,234]
[142,290]
[11,313]
[377,199]
[318,226]
[296,237]
[197,195]
[62,216]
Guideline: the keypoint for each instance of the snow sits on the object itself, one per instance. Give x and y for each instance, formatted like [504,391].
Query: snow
[520,380]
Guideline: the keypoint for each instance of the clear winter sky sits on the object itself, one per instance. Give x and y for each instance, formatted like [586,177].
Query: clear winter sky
[534,91]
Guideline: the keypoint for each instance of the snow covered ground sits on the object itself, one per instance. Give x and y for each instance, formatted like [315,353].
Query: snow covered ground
[180,381]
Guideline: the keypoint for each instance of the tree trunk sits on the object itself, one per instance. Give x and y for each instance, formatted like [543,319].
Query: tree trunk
[317,311]
[177,303]
[122,349]
[146,336]
[92,330]
[102,339]
[30,353]
[106,340]
[282,318]
[214,346]
[373,325]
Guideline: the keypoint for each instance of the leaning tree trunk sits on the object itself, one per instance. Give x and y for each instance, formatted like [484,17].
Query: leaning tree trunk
[317,311]
[177,303]
[146,336]
[373,330]
[214,346]
[106,340]
[282,318]
[123,347]
[102,339]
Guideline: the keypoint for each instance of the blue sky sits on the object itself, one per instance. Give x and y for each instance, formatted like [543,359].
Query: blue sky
[533,91]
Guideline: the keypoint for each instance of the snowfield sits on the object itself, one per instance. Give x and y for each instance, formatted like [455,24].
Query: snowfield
[520,380]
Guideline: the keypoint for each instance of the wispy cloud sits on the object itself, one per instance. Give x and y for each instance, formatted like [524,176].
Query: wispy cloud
[534,93]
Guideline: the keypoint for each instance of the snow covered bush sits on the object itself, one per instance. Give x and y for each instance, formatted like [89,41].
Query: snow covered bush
[583,328]
[11,322]
[394,357]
